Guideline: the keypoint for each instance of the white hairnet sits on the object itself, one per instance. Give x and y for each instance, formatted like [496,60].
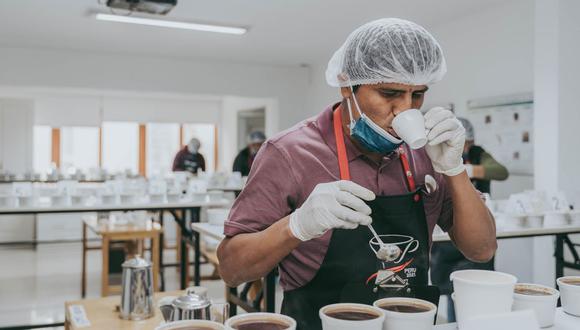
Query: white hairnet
[388,50]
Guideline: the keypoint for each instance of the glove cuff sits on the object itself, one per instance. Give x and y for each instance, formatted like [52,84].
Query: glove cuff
[455,171]
[295,228]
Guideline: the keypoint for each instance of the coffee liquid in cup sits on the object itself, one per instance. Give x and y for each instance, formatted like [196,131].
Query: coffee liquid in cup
[572,281]
[405,308]
[531,292]
[260,325]
[350,315]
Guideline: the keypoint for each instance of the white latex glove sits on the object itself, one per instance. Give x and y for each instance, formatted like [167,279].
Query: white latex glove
[469,170]
[337,204]
[446,137]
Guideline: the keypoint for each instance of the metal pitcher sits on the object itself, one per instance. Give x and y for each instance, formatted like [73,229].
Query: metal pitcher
[137,290]
[194,305]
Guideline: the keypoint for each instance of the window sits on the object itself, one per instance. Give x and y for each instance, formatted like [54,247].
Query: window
[120,147]
[41,148]
[79,148]
[206,135]
[162,145]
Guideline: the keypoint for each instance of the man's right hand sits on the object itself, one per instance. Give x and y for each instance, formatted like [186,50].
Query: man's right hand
[331,205]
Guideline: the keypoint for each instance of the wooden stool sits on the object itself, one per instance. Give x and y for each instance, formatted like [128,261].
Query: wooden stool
[119,232]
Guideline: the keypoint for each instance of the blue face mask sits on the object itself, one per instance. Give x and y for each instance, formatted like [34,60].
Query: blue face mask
[370,135]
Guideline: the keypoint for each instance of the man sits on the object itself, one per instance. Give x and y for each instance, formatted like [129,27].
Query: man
[189,159]
[316,187]
[245,157]
[481,167]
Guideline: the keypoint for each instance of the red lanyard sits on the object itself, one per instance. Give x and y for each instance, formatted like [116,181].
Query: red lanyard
[343,160]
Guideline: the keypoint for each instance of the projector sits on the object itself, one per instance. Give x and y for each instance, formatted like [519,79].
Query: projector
[157,7]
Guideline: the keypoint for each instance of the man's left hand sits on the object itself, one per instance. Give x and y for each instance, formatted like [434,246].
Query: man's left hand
[446,137]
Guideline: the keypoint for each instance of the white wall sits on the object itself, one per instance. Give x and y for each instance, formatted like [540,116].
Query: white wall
[557,117]
[56,68]
[16,117]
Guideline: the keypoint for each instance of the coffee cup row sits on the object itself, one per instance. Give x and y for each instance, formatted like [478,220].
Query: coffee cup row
[387,313]
[483,294]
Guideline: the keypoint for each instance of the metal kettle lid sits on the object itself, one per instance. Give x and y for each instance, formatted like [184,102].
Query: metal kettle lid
[136,262]
[191,301]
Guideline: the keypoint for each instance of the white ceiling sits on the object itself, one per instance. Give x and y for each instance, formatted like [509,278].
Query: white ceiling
[282,32]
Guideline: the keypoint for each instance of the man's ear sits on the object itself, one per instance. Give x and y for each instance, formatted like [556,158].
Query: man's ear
[346,92]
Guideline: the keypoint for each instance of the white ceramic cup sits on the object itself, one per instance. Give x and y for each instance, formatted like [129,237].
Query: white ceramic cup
[331,323]
[555,219]
[410,126]
[543,305]
[534,221]
[570,294]
[191,324]
[233,322]
[574,217]
[482,292]
[406,320]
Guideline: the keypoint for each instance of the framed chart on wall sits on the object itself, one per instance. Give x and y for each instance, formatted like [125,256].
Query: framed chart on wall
[504,127]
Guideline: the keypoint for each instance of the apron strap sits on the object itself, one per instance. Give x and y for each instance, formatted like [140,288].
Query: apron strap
[340,146]
[343,160]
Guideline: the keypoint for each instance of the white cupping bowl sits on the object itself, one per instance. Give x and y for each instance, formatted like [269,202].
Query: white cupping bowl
[482,292]
[544,306]
[570,295]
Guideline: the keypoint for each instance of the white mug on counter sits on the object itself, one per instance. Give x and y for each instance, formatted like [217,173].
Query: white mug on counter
[407,313]
[481,292]
[254,321]
[191,325]
[540,299]
[347,316]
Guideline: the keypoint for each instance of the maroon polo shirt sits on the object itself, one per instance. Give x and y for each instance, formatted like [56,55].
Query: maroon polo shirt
[289,166]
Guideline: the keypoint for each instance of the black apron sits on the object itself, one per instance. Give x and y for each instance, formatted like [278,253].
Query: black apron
[351,271]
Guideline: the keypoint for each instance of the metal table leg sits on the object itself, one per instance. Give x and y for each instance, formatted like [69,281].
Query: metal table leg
[194,214]
[559,255]
[161,245]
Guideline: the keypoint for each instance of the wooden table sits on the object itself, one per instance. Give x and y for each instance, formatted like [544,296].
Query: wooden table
[119,232]
[102,313]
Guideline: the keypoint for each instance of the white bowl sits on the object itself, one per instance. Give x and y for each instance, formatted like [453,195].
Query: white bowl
[544,306]
[400,320]
[108,199]
[534,221]
[260,316]
[191,324]
[215,196]
[513,221]
[25,201]
[7,201]
[218,216]
[331,323]
[570,295]
[555,219]
[157,198]
[574,217]
[173,198]
[482,292]
[60,200]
